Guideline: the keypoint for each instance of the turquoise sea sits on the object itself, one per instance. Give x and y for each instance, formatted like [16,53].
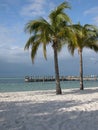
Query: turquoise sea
[18,84]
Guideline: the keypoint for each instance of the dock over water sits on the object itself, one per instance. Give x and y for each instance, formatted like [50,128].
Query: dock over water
[52,78]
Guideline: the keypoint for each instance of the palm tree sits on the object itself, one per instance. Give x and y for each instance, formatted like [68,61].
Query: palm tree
[87,37]
[52,32]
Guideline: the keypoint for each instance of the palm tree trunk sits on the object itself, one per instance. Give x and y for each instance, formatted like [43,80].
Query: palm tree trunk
[81,71]
[58,88]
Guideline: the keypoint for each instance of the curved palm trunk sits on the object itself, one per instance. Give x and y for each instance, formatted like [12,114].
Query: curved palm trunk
[58,88]
[81,70]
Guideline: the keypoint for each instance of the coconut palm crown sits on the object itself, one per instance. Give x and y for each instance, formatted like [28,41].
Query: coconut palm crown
[87,37]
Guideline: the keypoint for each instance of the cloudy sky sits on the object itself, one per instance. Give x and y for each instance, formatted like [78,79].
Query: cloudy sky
[14,61]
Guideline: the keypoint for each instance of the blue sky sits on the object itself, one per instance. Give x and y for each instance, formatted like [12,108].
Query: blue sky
[14,61]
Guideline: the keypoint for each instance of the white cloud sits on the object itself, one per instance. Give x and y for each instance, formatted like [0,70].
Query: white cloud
[13,54]
[5,38]
[94,14]
[35,7]
[93,10]
[95,20]
[64,54]
[10,50]
[89,55]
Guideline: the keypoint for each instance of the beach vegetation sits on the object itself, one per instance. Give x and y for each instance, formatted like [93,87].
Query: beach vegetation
[57,31]
[53,31]
[87,37]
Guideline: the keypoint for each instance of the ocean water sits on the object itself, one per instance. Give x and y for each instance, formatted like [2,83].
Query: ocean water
[18,84]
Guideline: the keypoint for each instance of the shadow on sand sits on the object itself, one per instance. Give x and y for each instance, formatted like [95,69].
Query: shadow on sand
[49,115]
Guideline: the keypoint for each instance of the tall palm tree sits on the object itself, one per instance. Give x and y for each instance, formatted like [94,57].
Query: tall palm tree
[87,37]
[52,32]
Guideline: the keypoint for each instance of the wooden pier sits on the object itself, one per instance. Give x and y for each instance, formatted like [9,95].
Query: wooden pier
[52,78]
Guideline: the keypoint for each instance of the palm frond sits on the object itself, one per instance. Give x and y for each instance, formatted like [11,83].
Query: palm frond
[94,47]
[36,26]
[86,37]
[44,51]
[34,50]
[58,14]
[71,48]
[29,42]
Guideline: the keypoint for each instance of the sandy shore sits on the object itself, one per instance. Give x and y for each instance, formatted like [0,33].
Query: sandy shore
[73,110]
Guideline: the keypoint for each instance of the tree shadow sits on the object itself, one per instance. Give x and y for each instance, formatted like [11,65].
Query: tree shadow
[48,115]
[79,92]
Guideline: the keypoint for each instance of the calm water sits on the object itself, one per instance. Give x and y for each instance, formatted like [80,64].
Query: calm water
[18,84]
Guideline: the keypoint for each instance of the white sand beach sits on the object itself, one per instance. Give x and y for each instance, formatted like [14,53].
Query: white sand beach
[44,110]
